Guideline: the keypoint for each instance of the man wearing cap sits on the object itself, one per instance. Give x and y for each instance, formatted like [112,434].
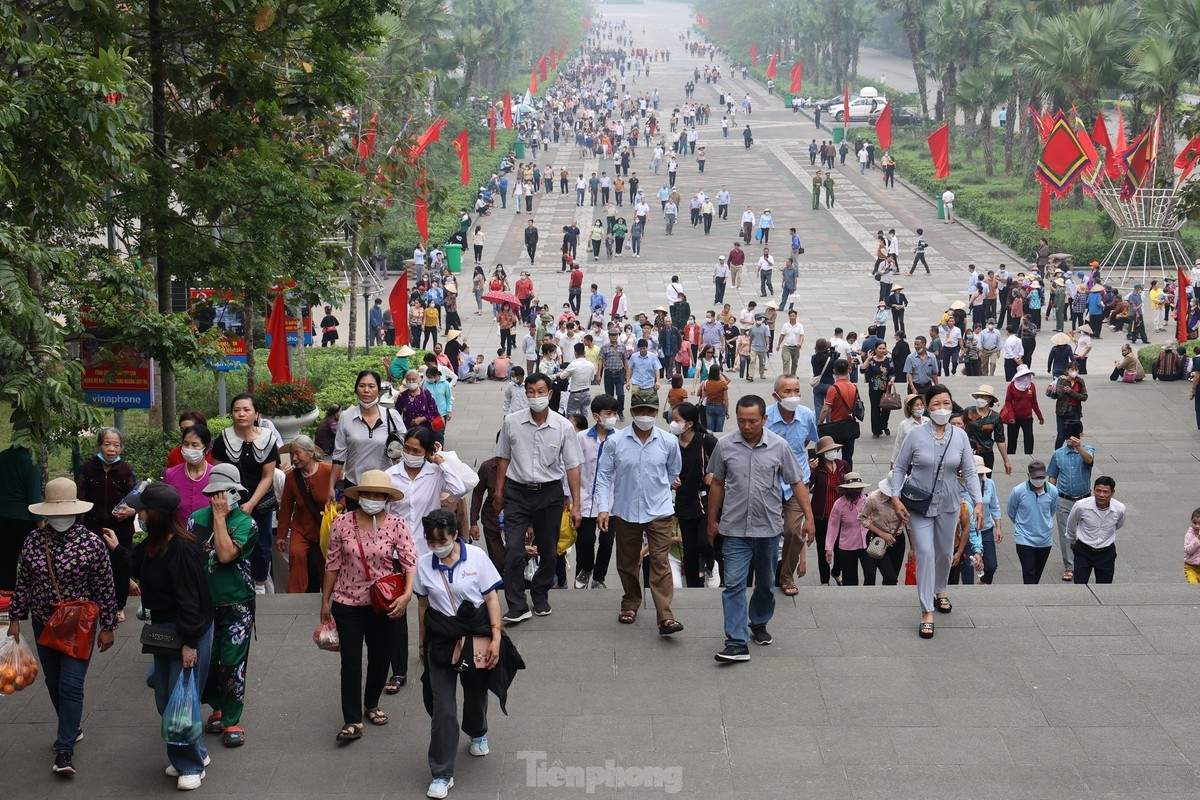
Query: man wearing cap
[535,451]
[745,506]
[228,536]
[1070,471]
[1092,532]
[1137,315]
[1031,507]
[796,424]
[614,366]
[638,467]
[720,278]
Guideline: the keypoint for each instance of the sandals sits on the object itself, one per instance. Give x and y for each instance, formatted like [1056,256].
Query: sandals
[214,724]
[926,630]
[791,591]
[393,686]
[377,717]
[627,617]
[943,604]
[350,733]
[234,736]
[1068,576]
[669,626]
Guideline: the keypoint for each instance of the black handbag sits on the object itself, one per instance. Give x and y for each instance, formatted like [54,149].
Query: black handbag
[917,499]
[844,430]
[159,641]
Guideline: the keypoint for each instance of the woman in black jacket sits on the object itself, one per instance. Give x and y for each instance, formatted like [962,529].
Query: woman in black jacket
[823,360]
[103,481]
[691,492]
[170,565]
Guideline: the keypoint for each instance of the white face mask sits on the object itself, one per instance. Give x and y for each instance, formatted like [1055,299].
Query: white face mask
[539,403]
[61,523]
[832,455]
[371,404]
[981,402]
[941,416]
[644,423]
[442,552]
[608,423]
[412,387]
[918,413]
[192,455]
[413,462]
[1037,483]
[1072,373]
[372,507]
[790,403]
[676,427]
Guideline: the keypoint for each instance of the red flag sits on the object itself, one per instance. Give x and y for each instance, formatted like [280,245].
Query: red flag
[1181,306]
[797,77]
[1039,123]
[771,67]
[754,55]
[1139,160]
[1186,160]
[1120,141]
[939,148]
[542,67]
[492,126]
[277,360]
[846,107]
[1043,214]
[366,147]
[508,120]
[398,303]
[883,127]
[533,83]
[422,209]
[432,134]
[464,156]
[1100,137]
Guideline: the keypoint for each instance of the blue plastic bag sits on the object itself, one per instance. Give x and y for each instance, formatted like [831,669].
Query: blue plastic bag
[181,723]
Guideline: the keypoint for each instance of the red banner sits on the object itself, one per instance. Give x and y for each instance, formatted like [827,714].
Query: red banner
[464,157]
[508,119]
[398,303]
[1186,160]
[1043,213]
[366,147]
[845,107]
[492,126]
[1100,137]
[797,77]
[1181,306]
[533,84]
[771,67]
[278,361]
[542,67]
[883,127]
[939,148]
[754,55]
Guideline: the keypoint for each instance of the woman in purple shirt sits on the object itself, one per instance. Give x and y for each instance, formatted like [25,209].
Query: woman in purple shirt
[190,477]
[416,404]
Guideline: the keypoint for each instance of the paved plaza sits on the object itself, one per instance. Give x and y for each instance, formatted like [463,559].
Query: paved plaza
[1054,691]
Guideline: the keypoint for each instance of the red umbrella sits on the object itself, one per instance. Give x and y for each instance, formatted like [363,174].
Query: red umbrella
[502,297]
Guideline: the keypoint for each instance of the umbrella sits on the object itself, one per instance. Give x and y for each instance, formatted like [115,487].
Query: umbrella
[500,297]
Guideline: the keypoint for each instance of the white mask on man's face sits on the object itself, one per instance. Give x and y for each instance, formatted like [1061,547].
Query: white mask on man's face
[644,423]
[539,403]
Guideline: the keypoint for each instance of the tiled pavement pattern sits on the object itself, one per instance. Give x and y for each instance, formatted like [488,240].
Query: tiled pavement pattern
[1033,692]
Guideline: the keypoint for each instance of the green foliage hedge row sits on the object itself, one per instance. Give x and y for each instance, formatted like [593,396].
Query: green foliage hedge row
[1150,353]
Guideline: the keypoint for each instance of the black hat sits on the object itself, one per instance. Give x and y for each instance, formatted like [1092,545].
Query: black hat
[160,497]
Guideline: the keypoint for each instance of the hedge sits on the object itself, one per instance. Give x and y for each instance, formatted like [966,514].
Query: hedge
[1150,353]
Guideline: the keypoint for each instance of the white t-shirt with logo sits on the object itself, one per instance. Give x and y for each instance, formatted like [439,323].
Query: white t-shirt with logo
[471,578]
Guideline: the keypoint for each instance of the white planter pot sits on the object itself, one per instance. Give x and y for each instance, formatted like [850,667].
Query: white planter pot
[289,427]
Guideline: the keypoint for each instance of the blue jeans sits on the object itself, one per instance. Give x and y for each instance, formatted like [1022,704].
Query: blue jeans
[988,535]
[187,759]
[64,678]
[741,554]
[715,417]
[614,387]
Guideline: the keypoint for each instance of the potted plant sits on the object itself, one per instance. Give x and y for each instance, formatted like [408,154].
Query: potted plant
[290,406]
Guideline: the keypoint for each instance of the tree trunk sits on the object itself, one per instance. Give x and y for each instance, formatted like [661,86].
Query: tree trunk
[355,286]
[949,87]
[249,313]
[1009,136]
[1166,145]
[158,102]
[988,168]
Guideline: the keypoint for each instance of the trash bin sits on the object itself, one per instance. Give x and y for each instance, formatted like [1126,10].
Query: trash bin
[520,147]
[941,209]
[839,133]
[454,256]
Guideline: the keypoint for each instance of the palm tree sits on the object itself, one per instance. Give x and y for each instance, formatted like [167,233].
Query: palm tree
[912,14]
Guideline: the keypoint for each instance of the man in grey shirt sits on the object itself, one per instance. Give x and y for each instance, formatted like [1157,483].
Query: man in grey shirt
[747,468]
[760,337]
[535,450]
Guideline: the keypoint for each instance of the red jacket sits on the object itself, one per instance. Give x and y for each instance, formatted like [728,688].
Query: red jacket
[1024,404]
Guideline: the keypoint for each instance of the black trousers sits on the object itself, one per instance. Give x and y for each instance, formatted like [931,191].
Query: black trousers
[543,511]
[1033,561]
[1102,560]
[848,562]
[1025,427]
[892,564]
[358,625]
[879,416]
[590,558]
[439,689]
[824,568]
[698,556]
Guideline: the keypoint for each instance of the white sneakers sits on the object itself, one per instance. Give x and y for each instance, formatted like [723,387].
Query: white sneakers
[174,773]
[188,782]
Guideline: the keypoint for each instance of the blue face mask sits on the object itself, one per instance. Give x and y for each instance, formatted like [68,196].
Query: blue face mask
[100,456]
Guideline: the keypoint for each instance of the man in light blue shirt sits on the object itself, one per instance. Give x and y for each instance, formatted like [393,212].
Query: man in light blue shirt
[1070,470]
[760,337]
[642,369]
[1031,507]
[443,395]
[633,490]
[796,424]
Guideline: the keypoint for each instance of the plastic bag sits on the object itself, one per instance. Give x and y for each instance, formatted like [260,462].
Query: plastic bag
[326,637]
[566,532]
[181,722]
[468,476]
[327,517]
[18,667]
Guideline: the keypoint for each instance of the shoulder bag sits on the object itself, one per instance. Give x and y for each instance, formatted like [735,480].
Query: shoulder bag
[71,629]
[479,644]
[159,641]
[877,546]
[385,590]
[916,498]
[816,379]
[844,430]
[394,445]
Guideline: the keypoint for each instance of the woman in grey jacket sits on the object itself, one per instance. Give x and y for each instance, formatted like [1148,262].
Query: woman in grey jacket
[931,458]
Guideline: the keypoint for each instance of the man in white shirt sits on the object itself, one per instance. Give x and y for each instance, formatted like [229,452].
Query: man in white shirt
[580,374]
[948,204]
[1012,352]
[723,203]
[893,245]
[791,341]
[748,220]
[972,279]
[766,268]
[1092,531]
[839,344]
[674,290]
[720,278]
[746,318]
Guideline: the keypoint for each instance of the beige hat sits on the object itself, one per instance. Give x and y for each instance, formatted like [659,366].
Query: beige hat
[853,481]
[897,287]
[1060,338]
[660,308]
[958,305]
[825,444]
[61,500]
[405,351]
[980,467]
[908,403]
[772,304]
[452,335]
[452,288]
[1096,288]
[885,486]
[985,390]
[374,480]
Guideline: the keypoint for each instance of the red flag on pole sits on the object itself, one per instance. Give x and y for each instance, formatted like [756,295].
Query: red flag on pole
[422,209]
[1181,306]
[533,83]
[754,55]
[1186,160]
[1120,142]
[542,67]
[464,156]
[883,127]
[432,134]
[277,360]
[797,77]
[845,109]
[492,126]
[1043,212]
[508,120]
[398,303]
[939,148]
[771,67]
[1100,137]
[366,147]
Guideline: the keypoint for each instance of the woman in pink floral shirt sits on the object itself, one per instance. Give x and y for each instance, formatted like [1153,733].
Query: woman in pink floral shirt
[363,546]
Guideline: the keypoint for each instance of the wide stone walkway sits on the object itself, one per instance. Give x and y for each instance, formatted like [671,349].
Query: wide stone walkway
[1051,691]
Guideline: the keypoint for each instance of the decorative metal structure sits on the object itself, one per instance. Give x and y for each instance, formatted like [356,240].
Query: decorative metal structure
[1148,244]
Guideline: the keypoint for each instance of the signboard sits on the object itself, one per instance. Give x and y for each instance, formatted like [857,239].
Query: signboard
[125,380]
[234,348]
[208,310]
[292,325]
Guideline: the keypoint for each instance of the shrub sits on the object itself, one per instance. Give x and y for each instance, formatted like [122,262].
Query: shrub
[1150,353]
[289,399]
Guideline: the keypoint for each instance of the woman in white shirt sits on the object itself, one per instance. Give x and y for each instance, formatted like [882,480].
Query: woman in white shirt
[422,476]
[914,415]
